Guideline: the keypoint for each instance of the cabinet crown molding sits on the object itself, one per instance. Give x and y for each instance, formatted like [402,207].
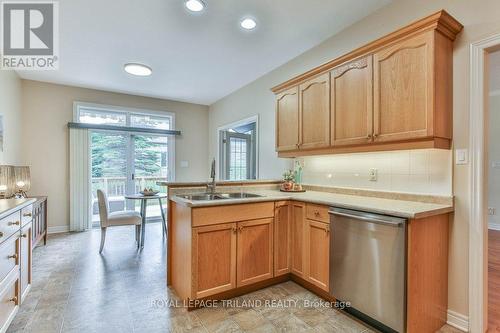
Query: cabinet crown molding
[440,21]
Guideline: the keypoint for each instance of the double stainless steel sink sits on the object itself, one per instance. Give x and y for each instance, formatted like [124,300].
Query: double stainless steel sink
[218,196]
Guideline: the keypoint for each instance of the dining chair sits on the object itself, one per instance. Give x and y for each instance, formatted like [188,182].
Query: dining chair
[127,217]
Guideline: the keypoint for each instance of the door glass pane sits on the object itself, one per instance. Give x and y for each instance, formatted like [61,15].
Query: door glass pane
[237,158]
[150,165]
[109,170]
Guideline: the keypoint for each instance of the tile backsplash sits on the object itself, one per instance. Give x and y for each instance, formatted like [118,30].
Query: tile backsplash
[425,171]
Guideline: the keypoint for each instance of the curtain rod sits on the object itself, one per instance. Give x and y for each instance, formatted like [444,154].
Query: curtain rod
[123,128]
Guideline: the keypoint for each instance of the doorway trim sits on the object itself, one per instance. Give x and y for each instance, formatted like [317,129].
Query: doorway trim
[478,224]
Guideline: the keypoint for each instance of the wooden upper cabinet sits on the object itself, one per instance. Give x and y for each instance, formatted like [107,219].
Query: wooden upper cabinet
[314,112]
[404,89]
[282,237]
[393,93]
[287,120]
[255,251]
[214,259]
[351,103]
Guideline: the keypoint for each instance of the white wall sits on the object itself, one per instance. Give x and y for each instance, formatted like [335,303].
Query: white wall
[47,108]
[425,171]
[480,19]
[494,158]
[10,108]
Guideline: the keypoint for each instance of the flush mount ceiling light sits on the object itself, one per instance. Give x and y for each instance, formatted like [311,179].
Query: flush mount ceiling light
[137,69]
[248,23]
[195,5]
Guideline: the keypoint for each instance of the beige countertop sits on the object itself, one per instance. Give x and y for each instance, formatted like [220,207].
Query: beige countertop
[9,206]
[393,207]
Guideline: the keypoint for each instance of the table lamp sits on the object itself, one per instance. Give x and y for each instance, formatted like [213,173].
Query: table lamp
[22,181]
[7,185]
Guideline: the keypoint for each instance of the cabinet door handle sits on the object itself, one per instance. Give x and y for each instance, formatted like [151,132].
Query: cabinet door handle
[13,299]
[1,234]
[234,229]
[14,223]
[369,136]
[240,229]
[375,135]
[14,256]
[27,215]
[24,235]
[327,230]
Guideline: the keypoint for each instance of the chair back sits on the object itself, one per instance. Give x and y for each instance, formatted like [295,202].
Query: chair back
[102,200]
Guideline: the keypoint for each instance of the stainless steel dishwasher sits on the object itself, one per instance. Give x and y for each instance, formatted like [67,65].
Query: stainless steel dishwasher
[368,266]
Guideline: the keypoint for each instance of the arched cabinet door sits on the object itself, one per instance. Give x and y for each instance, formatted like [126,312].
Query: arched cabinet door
[352,103]
[287,120]
[314,113]
[404,89]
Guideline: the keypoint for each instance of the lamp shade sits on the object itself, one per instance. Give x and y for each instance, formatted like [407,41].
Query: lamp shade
[7,181]
[22,178]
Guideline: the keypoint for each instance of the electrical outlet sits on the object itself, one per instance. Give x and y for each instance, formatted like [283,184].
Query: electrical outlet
[373,175]
[492,211]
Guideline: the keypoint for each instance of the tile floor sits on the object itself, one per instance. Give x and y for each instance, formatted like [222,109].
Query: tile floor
[123,290]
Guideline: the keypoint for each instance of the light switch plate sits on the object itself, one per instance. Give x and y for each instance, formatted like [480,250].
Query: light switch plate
[461,156]
[373,175]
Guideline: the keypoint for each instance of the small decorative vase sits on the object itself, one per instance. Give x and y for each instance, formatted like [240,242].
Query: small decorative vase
[288,186]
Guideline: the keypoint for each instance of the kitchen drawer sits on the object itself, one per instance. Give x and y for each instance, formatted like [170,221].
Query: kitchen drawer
[231,213]
[9,256]
[26,215]
[9,301]
[317,213]
[9,225]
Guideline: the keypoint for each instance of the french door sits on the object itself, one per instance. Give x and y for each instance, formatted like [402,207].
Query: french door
[125,163]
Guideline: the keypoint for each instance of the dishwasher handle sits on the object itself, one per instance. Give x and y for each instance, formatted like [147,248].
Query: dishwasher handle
[368,217]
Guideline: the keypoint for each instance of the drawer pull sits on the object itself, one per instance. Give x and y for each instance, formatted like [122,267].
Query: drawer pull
[27,215]
[13,299]
[14,256]
[316,213]
[14,223]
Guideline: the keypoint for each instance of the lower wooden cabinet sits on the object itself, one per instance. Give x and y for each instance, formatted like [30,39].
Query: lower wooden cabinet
[214,259]
[254,251]
[297,239]
[282,238]
[317,253]
[230,255]
[25,261]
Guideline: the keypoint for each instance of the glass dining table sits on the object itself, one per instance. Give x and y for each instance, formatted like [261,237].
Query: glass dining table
[144,199]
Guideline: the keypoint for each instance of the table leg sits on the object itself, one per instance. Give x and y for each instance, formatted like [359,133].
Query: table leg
[143,227]
[164,226]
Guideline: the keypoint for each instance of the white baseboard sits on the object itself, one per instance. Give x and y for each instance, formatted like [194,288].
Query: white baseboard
[58,229]
[494,226]
[458,321]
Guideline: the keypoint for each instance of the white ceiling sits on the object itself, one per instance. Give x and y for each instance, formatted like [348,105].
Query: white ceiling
[196,58]
[495,71]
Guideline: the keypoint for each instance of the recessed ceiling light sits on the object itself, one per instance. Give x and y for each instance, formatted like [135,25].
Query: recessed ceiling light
[195,5]
[137,69]
[248,23]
